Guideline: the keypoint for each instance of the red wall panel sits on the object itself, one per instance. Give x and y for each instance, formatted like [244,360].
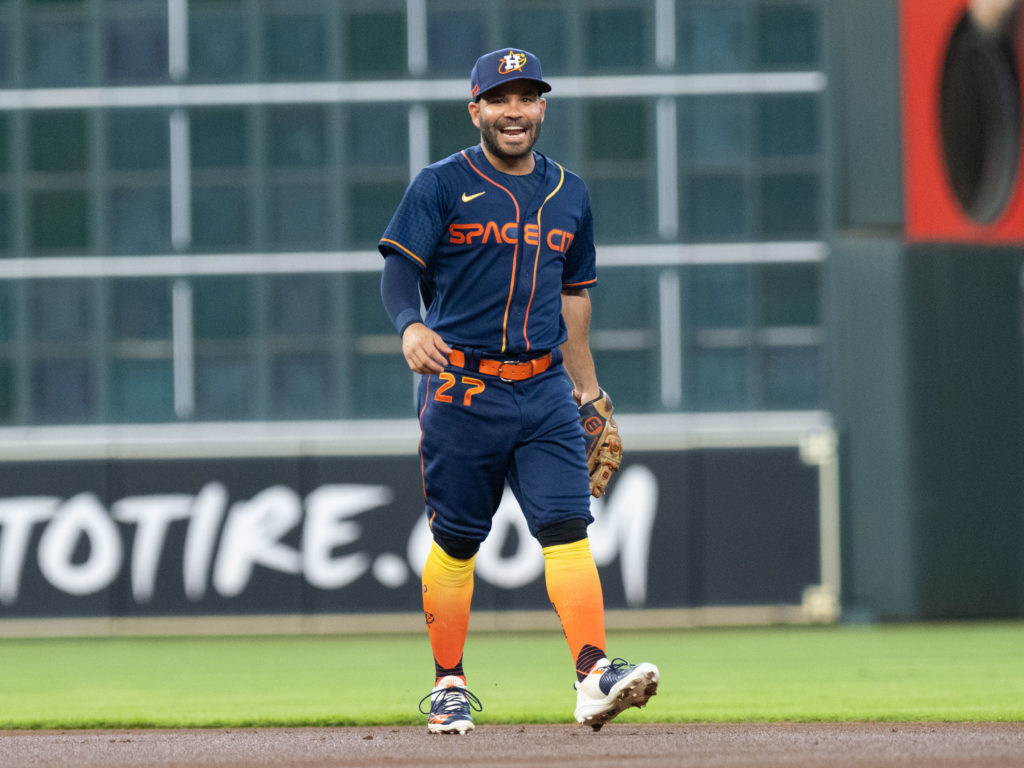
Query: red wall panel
[933,211]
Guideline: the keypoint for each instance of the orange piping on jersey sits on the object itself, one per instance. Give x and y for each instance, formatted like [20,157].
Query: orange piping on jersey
[423,472]
[403,248]
[515,252]
[536,258]
[577,285]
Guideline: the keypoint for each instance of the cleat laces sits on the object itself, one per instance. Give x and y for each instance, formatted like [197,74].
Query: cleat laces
[453,700]
[618,666]
[613,673]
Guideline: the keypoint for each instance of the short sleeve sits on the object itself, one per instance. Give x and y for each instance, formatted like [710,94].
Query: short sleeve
[417,223]
[580,270]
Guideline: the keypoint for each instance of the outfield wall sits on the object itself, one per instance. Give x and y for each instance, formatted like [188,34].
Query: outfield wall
[924,289]
[709,520]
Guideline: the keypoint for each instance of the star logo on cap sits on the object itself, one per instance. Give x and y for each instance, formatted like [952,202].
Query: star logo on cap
[511,62]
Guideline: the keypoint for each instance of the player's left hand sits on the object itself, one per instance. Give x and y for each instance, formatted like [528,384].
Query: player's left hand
[604,446]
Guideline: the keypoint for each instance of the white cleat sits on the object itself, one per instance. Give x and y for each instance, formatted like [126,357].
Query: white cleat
[612,687]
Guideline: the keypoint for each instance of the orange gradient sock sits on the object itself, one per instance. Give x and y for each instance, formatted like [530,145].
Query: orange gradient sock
[447,595]
[574,588]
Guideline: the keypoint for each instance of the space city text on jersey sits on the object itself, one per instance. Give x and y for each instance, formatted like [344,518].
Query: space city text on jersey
[466,234]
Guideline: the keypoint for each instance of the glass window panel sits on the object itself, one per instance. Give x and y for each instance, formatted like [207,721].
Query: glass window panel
[715,207]
[221,307]
[718,129]
[5,137]
[58,141]
[5,222]
[58,53]
[300,304]
[60,310]
[59,219]
[720,296]
[618,33]
[6,391]
[139,220]
[142,391]
[464,25]
[5,55]
[219,138]
[789,294]
[218,47]
[363,296]
[793,377]
[62,391]
[372,206]
[379,133]
[139,139]
[295,47]
[375,44]
[721,379]
[789,205]
[219,218]
[140,309]
[617,129]
[622,208]
[224,388]
[629,376]
[451,130]
[541,30]
[787,35]
[297,135]
[301,386]
[383,387]
[713,37]
[137,50]
[619,287]
[297,216]
[6,311]
[788,125]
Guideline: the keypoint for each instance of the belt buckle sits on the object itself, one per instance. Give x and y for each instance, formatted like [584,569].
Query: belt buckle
[503,364]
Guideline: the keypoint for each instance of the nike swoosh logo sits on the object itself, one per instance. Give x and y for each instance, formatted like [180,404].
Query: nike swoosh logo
[466,198]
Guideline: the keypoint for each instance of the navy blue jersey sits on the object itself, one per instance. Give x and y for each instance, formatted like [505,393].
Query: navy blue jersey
[495,250]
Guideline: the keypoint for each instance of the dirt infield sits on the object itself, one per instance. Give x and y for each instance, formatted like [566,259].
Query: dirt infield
[794,745]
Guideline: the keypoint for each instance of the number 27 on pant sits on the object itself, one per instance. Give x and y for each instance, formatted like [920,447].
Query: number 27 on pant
[473,387]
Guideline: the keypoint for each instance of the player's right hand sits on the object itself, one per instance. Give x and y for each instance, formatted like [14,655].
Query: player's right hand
[424,350]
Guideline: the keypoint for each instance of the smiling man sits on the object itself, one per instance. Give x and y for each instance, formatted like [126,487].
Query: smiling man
[509,118]
[498,241]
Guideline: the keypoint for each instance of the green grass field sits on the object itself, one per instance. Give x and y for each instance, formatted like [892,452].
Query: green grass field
[933,672]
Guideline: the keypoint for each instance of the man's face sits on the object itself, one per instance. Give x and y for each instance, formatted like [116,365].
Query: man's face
[509,119]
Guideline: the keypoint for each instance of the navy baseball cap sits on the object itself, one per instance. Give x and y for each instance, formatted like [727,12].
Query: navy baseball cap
[503,65]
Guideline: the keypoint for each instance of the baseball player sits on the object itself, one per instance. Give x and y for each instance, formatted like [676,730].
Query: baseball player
[497,240]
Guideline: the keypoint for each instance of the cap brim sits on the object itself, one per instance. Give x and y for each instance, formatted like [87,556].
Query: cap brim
[542,86]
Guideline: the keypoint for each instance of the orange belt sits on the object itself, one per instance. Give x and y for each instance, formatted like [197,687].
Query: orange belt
[506,370]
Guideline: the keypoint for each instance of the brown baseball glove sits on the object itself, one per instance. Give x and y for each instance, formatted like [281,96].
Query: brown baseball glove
[604,446]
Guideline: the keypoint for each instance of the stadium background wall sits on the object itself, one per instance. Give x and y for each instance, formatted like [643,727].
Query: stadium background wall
[188,213]
[321,534]
[925,291]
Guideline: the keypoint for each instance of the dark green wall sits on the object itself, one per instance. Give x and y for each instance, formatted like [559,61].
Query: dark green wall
[926,374]
[869,390]
[928,386]
[965,398]
[864,86]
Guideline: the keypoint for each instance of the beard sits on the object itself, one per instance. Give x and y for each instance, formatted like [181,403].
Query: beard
[497,144]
